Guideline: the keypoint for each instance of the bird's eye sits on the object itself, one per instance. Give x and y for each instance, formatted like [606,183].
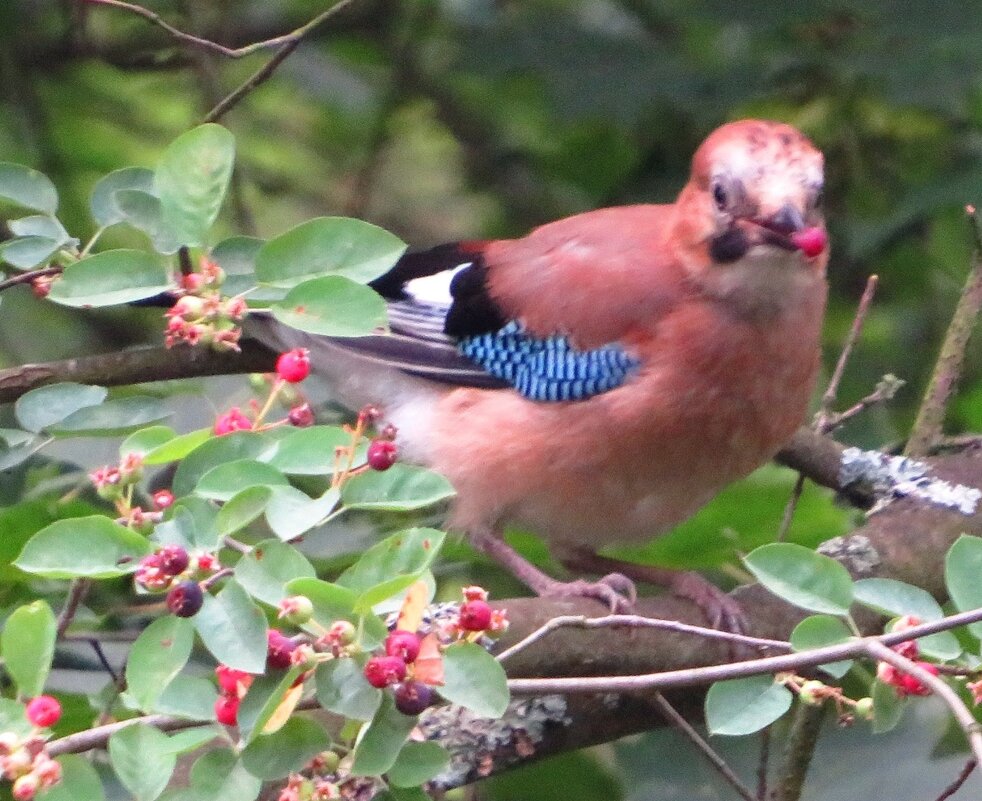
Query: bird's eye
[720,196]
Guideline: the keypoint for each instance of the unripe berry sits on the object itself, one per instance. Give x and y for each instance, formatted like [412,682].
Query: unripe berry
[296,610]
[811,693]
[227,709]
[404,644]
[43,711]
[279,649]
[382,454]
[475,615]
[342,632]
[185,599]
[864,708]
[25,787]
[301,416]
[381,671]
[329,761]
[163,499]
[294,365]
[412,697]
[174,560]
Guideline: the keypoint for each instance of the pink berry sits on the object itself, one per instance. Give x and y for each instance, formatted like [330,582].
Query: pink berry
[301,416]
[227,709]
[163,499]
[25,787]
[381,671]
[232,420]
[475,615]
[412,697]
[294,365]
[382,454]
[43,711]
[279,650]
[229,679]
[810,241]
[185,599]
[404,644]
[173,560]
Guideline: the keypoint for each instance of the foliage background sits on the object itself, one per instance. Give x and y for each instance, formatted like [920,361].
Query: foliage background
[473,118]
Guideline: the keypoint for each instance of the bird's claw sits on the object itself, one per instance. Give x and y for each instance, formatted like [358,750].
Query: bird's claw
[614,590]
[721,611]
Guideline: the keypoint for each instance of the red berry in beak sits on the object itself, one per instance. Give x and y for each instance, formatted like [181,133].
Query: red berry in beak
[810,241]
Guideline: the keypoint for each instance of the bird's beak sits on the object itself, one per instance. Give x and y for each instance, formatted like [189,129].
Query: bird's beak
[780,227]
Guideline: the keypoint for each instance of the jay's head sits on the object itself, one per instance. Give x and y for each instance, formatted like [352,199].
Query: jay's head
[755,192]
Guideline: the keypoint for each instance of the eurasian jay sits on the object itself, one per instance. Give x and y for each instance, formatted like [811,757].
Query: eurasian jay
[600,379]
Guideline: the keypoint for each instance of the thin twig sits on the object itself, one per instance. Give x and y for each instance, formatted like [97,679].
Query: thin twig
[230,542]
[970,726]
[762,763]
[928,426]
[26,278]
[790,507]
[636,621]
[690,677]
[704,748]
[77,591]
[956,785]
[101,656]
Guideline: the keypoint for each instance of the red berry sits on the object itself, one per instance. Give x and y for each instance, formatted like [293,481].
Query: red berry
[43,711]
[301,416]
[381,671]
[185,599]
[227,709]
[382,454]
[229,679]
[412,697]
[810,241]
[279,649]
[163,499]
[404,644]
[475,615]
[232,420]
[173,559]
[294,365]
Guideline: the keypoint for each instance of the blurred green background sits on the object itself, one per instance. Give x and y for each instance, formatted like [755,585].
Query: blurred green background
[474,118]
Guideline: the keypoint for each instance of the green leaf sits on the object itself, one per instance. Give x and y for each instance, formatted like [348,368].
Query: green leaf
[266,569]
[27,646]
[192,179]
[117,416]
[144,212]
[328,246]
[241,509]
[28,188]
[332,603]
[962,568]
[383,592]
[213,452]
[401,488]
[818,631]
[888,707]
[12,718]
[142,758]
[224,481]
[382,739]
[145,440]
[158,655]
[18,446]
[83,547]
[27,252]
[79,781]
[418,762]
[191,525]
[343,689]
[191,697]
[45,406]
[178,447]
[272,756]
[407,552]
[233,628]
[475,679]
[744,706]
[42,225]
[105,210]
[219,776]
[309,451]
[802,577]
[110,278]
[237,257]
[897,598]
[191,739]
[291,513]
[264,697]
[332,306]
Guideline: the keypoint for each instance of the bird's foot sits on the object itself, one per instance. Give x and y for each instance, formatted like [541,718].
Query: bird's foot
[615,590]
[722,611]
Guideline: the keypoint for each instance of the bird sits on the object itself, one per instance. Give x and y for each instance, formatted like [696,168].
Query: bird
[600,379]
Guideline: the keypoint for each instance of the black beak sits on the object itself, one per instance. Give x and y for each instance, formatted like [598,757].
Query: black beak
[787,220]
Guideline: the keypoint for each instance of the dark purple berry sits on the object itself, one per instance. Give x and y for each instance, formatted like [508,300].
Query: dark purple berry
[185,599]
[412,697]
[279,649]
[382,454]
[174,560]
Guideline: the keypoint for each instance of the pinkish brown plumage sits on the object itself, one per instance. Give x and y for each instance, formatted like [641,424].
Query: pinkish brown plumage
[711,300]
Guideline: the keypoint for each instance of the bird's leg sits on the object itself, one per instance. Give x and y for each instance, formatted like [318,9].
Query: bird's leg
[615,590]
[720,609]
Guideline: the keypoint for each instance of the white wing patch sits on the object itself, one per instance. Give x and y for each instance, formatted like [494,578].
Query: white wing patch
[434,288]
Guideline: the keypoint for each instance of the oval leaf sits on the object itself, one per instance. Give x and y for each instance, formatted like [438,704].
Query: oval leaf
[381,740]
[192,179]
[744,706]
[241,509]
[266,569]
[83,547]
[213,452]
[291,513]
[142,210]
[401,488]
[105,210]
[157,656]
[309,451]
[45,406]
[285,751]
[343,689]
[475,679]
[802,577]
[962,568]
[418,762]
[110,278]
[27,646]
[178,447]
[28,188]
[224,481]
[233,628]
[145,440]
[818,631]
[324,246]
[407,552]
[332,306]
[143,760]
[117,416]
